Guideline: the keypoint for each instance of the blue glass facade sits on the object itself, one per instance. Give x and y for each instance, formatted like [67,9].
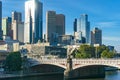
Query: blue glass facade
[83,26]
[33,21]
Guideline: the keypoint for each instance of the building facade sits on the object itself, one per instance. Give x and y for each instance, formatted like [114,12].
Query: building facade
[18,30]
[65,40]
[6,26]
[75,26]
[1,33]
[39,51]
[33,21]
[50,25]
[9,45]
[60,24]
[55,26]
[96,36]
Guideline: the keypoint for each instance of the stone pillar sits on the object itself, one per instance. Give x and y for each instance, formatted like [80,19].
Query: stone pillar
[68,71]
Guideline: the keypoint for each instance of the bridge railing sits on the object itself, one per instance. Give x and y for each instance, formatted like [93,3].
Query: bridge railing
[77,61]
[96,61]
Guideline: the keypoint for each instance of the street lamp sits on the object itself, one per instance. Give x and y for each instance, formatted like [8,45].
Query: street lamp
[96,50]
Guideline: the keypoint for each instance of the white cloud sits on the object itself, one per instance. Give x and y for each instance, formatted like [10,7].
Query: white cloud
[107,24]
[111,38]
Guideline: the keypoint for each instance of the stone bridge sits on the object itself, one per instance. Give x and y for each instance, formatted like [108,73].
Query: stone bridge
[76,63]
[74,68]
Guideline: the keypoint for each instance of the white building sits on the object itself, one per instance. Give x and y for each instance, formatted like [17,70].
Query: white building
[9,45]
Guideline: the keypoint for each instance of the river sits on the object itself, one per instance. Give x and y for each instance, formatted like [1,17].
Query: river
[110,75]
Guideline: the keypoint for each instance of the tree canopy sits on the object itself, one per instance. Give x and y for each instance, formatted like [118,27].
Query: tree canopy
[85,51]
[88,51]
[107,54]
[13,61]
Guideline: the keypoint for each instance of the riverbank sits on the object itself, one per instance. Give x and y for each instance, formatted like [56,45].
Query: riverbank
[21,75]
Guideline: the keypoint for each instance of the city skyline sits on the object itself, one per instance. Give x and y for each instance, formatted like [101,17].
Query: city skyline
[100,13]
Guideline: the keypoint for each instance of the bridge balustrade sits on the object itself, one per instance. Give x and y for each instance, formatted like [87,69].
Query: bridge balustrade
[78,62]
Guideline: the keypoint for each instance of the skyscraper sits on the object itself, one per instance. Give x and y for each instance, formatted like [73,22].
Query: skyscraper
[55,26]
[6,26]
[33,21]
[82,27]
[60,24]
[17,26]
[75,26]
[1,33]
[96,36]
[16,16]
[50,25]
[85,28]
[0,14]
[77,32]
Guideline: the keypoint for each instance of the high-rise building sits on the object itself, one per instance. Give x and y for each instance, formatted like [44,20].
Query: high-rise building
[60,24]
[17,26]
[50,25]
[16,16]
[55,26]
[1,33]
[75,26]
[18,30]
[96,36]
[33,21]
[0,14]
[85,28]
[6,26]
[82,27]
[77,32]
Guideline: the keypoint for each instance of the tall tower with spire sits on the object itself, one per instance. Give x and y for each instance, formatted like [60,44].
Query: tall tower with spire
[33,21]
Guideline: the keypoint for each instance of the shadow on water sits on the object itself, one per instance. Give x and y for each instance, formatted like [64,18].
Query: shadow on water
[111,75]
[39,77]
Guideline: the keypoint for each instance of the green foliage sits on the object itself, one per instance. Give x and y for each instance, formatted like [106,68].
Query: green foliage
[82,55]
[85,51]
[13,61]
[107,54]
[100,49]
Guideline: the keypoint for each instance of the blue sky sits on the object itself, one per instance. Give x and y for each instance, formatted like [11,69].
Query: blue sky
[104,14]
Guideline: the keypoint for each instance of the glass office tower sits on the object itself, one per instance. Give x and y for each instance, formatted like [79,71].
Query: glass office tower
[83,26]
[33,21]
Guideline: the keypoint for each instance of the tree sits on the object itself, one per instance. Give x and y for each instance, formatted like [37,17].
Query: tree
[85,51]
[100,49]
[82,55]
[107,54]
[13,61]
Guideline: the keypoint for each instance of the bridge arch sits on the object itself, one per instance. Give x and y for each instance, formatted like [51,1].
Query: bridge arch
[58,65]
[104,65]
[47,68]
